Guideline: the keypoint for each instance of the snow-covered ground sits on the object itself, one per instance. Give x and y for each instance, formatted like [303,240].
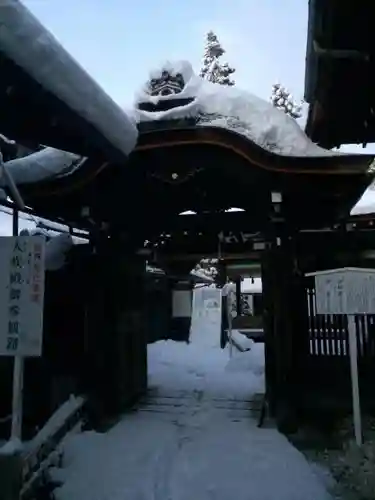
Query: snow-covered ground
[193,438]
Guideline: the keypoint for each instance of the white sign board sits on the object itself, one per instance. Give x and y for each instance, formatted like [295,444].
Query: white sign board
[181,303]
[348,290]
[21,295]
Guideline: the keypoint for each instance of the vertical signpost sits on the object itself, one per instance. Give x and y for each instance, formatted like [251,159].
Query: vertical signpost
[21,298]
[21,309]
[349,291]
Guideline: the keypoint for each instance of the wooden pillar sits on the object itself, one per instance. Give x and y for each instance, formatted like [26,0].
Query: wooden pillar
[288,332]
[238,296]
[285,318]
[181,310]
[117,329]
[269,330]
[130,347]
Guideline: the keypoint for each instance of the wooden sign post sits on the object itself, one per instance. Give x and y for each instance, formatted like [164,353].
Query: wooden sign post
[349,291]
[21,309]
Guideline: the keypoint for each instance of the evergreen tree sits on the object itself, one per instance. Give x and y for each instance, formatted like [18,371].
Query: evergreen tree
[212,69]
[282,99]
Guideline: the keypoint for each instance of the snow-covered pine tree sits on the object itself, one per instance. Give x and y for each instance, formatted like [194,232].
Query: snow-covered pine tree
[212,69]
[282,99]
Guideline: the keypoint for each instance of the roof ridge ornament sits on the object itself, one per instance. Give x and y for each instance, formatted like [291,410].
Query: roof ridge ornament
[164,86]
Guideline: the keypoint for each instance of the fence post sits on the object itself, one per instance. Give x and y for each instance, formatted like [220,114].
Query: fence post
[10,476]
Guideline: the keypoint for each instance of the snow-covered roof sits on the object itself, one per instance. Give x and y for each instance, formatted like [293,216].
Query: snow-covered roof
[25,41]
[233,109]
[41,165]
[201,275]
[194,273]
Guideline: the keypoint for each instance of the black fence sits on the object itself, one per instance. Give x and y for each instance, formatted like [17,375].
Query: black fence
[326,364]
[328,333]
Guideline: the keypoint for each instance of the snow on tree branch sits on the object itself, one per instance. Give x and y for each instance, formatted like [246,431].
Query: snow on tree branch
[212,69]
[282,99]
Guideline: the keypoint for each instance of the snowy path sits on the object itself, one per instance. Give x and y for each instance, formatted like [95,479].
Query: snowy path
[193,438]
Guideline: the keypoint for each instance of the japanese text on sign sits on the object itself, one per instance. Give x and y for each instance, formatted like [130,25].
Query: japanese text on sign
[17,265]
[21,295]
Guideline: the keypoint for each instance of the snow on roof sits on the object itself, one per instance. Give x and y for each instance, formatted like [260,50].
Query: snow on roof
[27,43]
[195,273]
[41,165]
[201,275]
[342,270]
[232,109]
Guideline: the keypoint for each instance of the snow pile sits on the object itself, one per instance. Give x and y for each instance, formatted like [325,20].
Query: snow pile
[252,362]
[11,447]
[199,273]
[56,249]
[232,109]
[207,267]
[243,342]
[44,164]
[202,364]
[57,246]
[55,422]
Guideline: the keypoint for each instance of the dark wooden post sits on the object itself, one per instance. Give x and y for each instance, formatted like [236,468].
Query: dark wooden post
[269,330]
[117,329]
[130,354]
[285,320]
[238,296]
[290,337]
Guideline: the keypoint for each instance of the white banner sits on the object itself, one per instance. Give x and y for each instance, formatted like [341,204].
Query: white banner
[22,268]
